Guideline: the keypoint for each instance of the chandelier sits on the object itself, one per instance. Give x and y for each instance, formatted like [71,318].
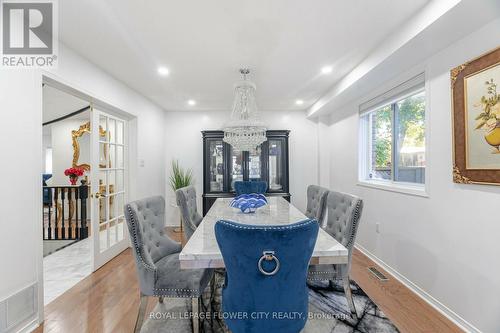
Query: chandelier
[244,131]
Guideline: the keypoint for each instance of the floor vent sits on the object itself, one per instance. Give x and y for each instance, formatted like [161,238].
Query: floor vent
[17,310]
[377,274]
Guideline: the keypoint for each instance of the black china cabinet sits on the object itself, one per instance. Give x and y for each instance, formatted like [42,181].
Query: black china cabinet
[223,165]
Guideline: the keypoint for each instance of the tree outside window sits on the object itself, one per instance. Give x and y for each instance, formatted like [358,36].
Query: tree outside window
[397,140]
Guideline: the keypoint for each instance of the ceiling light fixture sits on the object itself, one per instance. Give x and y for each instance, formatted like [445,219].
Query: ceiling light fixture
[299,102]
[244,131]
[163,71]
[326,69]
[192,102]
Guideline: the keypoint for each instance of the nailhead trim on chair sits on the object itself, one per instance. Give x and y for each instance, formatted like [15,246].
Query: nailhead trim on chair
[136,245]
[153,269]
[318,279]
[197,294]
[295,226]
[176,296]
[354,224]
[172,289]
[325,279]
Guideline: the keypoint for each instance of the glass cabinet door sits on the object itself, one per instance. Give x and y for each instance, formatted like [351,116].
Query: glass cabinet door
[276,165]
[255,164]
[216,165]
[223,166]
[235,167]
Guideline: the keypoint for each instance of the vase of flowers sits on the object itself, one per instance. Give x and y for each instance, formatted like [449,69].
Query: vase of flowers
[73,174]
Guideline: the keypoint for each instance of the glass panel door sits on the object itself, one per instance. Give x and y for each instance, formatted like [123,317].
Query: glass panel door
[108,184]
[276,172]
[216,167]
[236,164]
[254,164]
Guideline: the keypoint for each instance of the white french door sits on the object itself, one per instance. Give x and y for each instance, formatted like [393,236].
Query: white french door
[108,185]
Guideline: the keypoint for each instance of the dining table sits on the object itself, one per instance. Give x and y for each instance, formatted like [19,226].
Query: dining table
[202,250]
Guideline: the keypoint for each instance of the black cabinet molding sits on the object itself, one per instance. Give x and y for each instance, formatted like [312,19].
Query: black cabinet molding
[209,195]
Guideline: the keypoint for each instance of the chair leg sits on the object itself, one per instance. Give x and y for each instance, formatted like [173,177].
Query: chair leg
[195,303]
[348,295]
[213,289]
[140,314]
[331,284]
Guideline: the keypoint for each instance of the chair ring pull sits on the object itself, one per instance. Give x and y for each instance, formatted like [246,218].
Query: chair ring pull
[268,256]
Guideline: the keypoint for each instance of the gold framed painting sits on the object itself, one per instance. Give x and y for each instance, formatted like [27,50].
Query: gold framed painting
[476,120]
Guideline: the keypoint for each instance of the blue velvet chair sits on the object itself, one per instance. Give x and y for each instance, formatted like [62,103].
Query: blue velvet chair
[247,187]
[266,272]
[47,193]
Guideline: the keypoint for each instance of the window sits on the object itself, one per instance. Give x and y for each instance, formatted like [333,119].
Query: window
[48,160]
[393,136]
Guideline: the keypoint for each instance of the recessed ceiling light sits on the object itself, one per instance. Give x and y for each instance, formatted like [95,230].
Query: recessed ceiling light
[326,69]
[163,71]
[192,102]
[299,102]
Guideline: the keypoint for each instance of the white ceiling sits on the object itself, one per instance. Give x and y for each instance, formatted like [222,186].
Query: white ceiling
[433,29]
[57,104]
[203,43]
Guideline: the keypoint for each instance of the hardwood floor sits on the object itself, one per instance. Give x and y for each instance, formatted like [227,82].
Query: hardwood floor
[404,308]
[107,300]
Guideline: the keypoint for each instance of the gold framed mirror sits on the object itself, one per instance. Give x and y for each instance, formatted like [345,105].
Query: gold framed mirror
[77,135]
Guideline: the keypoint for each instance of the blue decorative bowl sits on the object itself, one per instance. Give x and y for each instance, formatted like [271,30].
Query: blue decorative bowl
[248,203]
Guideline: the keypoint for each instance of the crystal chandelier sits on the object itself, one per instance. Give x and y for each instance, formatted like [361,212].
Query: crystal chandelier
[244,131]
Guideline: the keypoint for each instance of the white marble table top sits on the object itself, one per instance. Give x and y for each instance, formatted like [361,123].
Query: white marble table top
[202,250]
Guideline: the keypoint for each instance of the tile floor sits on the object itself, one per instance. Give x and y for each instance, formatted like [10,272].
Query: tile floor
[65,268]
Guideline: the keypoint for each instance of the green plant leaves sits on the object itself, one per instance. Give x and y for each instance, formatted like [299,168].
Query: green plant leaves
[179,177]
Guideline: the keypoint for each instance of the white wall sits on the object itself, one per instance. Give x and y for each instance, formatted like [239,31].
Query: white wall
[147,128]
[20,167]
[184,142]
[46,144]
[446,244]
[21,147]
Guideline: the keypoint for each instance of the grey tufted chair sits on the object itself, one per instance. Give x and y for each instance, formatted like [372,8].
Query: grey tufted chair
[316,199]
[157,258]
[344,211]
[186,200]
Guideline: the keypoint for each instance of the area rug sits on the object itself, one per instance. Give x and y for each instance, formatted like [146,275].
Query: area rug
[328,313]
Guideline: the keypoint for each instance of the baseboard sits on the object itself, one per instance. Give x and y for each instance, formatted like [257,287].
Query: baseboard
[30,327]
[443,309]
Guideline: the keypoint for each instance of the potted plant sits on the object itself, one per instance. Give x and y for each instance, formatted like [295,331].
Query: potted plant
[180,178]
[73,174]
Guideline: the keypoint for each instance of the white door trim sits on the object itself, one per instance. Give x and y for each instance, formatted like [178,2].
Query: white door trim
[55,81]
[101,256]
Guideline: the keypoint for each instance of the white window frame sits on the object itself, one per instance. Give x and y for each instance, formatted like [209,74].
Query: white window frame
[408,88]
